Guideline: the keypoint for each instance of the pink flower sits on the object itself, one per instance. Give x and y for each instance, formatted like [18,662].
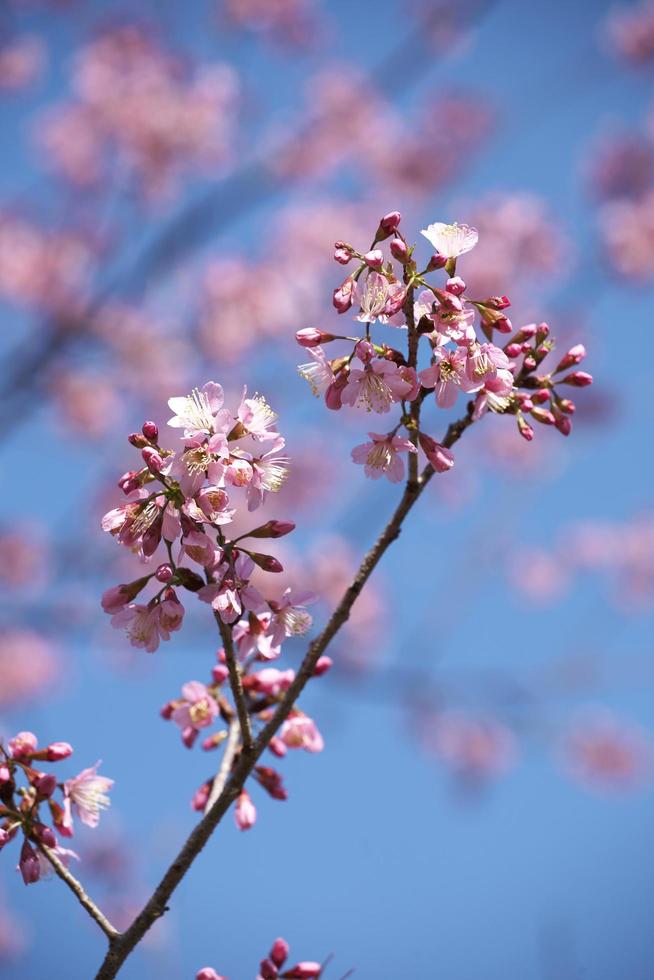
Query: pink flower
[300,732]
[29,864]
[269,473]
[604,753]
[374,298]
[257,417]
[145,625]
[382,456]
[318,372]
[447,376]
[88,793]
[245,813]
[23,745]
[451,241]
[199,414]
[290,618]
[483,363]
[199,708]
[376,387]
[438,456]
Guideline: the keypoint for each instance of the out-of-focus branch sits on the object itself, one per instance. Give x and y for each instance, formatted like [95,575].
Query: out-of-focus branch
[77,889]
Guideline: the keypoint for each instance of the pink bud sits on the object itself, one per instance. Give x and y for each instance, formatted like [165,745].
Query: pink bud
[207,973]
[45,784]
[245,813]
[272,529]
[524,428]
[279,952]
[164,573]
[529,362]
[29,865]
[374,259]
[166,711]
[541,396]
[303,971]
[455,285]
[45,835]
[542,331]
[267,562]
[201,796]
[344,295]
[578,379]
[189,736]
[23,745]
[439,457]
[563,424]
[323,664]
[152,459]
[268,970]
[312,337]
[567,405]
[497,302]
[151,431]
[220,673]
[5,774]
[437,261]
[342,253]
[137,440]
[399,250]
[5,837]
[58,751]
[543,416]
[277,747]
[129,481]
[503,324]
[512,350]
[390,222]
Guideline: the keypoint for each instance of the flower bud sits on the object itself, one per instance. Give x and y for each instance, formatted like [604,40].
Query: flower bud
[220,673]
[530,362]
[246,812]
[342,252]
[513,349]
[152,459]
[164,573]
[207,973]
[137,440]
[439,457]
[129,481]
[524,428]
[279,952]
[312,337]
[29,865]
[497,302]
[151,431]
[57,751]
[166,711]
[578,379]
[214,740]
[303,971]
[277,747]
[399,250]
[267,562]
[201,796]
[344,295]
[563,424]
[374,259]
[23,745]
[437,261]
[45,835]
[543,415]
[45,783]
[323,664]
[268,970]
[388,225]
[272,529]
[455,285]
[567,405]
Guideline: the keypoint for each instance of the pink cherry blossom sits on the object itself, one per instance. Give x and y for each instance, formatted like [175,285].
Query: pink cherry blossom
[375,388]
[381,457]
[198,709]
[88,793]
[300,732]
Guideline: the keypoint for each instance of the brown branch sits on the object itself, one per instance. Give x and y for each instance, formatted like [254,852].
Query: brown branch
[236,684]
[76,887]
[156,906]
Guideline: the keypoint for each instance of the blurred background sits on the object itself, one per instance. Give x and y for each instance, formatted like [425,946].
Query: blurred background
[173,179]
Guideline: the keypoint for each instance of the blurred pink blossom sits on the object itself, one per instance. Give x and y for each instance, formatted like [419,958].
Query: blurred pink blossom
[22,60]
[28,666]
[604,753]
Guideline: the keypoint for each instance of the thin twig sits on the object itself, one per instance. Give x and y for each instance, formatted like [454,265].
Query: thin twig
[76,887]
[157,904]
[236,684]
[226,762]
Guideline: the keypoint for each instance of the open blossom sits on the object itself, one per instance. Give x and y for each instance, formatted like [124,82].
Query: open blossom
[146,625]
[448,376]
[381,457]
[199,413]
[300,732]
[450,241]
[257,417]
[88,793]
[380,299]
[289,617]
[317,372]
[198,709]
[376,387]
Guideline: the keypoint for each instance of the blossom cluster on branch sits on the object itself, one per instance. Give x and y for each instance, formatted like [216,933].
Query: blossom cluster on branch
[26,792]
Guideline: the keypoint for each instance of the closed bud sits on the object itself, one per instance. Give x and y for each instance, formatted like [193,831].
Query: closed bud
[29,865]
[513,349]
[526,333]
[164,573]
[530,362]
[129,481]
[563,424]
[151,431]
[137,439]
[541,396]
[344,295]
[543,415]
[267,562]
[574,356]
[312,337]
[497,302]
[166,711]
[542,331]
[374,259]
[45,784]
[503,324]
[437,261]
[57,751]
[152,459]
[207,973]
[220,673]
[524,428]
[388,225]
[455,285]
[342,252]
[45,835]
[214,740]
[323,664]
[303,971]
[578,379]
[268,970]
[567,405]
[201,795]
[272,529]
[279,952]
[399,250]
[277,747]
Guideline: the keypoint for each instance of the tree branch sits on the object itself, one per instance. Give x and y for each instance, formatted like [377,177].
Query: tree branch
[231,747]
[236,684]
[77,889]
[157,904]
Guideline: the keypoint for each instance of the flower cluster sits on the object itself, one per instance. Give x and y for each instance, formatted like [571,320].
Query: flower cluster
[202,706]
[460,332]
[272,967]
[25,789]
[178,507]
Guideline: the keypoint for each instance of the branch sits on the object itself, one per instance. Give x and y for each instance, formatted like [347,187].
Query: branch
[231,747]
[157,904]
[75,886]
[236,684]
